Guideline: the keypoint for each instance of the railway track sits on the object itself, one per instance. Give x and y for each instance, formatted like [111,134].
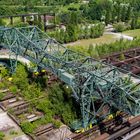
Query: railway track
[21,108]
[43,130]
[110,131]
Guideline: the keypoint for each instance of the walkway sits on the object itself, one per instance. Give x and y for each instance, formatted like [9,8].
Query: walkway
[4,54]
[120,35]
[7,126]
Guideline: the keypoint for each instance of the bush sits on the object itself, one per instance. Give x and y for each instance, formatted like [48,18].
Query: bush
[2,23]
[28,127]
[74,33]
[1,96]
[1,135]
[57,123]
[20,77]
[21,24]
[120,27]
[13,89]
[13,132]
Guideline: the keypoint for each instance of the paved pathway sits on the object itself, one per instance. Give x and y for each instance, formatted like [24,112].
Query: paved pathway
[7,125]
[120,35]
[21,59]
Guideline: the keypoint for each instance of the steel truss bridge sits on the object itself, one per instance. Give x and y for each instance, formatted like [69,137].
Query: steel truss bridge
[98,87]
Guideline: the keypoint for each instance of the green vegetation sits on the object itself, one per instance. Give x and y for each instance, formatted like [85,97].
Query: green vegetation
[84,23]
[2,95]
[27,127]
[37,2]
[105,39]
[56,104]
[120,27]
[133,33]
[74,33]
[102,10]
[13,132]
[81,20]
[100,51]
[2,135]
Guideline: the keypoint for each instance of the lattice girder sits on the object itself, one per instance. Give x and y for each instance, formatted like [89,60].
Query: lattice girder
[96,85]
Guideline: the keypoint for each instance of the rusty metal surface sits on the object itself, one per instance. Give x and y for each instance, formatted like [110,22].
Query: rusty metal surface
[128,60]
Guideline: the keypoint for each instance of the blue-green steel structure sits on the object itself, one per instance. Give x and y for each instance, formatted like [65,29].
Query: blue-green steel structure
[97,87]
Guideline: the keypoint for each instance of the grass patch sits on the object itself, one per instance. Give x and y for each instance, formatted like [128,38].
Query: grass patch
[15,20]
[105,39]
[73,5]
[133,33]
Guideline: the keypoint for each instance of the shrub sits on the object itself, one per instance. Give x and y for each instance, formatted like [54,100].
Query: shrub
[28,127]
[1,96]
[120,27]
[21,24]
[13,89]
[2,23]
[1,135]
[57,123]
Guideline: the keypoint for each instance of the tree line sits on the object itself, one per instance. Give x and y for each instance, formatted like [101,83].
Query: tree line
[38,2]
[107,11]
[100,51]
[74,33]
[111,11]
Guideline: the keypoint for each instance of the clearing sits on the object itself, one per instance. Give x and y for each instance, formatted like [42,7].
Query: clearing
[133,33]
[106,38]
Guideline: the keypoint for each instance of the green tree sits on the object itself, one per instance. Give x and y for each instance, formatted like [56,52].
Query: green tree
[72,32]
[134,21]
[107,17]
[128,13]
[123,13]
[119,27]
[20,77]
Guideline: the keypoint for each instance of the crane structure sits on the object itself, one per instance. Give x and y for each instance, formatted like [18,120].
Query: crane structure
[98,87]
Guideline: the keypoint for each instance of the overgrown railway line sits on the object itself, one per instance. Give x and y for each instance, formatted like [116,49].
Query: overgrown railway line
[128,60]
[118,132]
[98,87]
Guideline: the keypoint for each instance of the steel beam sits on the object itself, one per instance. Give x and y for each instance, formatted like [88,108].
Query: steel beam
[95,84]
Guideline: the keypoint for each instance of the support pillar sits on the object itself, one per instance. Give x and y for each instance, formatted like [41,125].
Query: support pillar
[11,20]
[23,19]
[54,18]
[45,28]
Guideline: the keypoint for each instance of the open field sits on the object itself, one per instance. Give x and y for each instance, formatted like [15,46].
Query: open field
[133,33]
[105,39]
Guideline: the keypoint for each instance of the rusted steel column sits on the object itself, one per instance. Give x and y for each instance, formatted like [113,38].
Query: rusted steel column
[54,18]
[45,20]
[11,20]
[23,19]
[136,71]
